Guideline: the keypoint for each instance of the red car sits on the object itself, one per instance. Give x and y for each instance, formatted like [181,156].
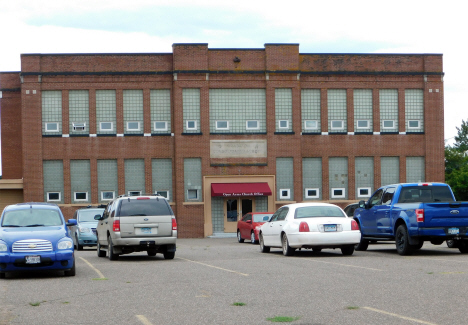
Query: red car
[249,226]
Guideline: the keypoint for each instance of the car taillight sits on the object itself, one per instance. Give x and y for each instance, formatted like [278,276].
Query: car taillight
[304,227]
[354,225]
[116,225]
[420,215]
[143,198]
[174,224]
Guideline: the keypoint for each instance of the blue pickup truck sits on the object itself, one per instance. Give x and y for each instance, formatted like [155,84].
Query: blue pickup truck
[411,214]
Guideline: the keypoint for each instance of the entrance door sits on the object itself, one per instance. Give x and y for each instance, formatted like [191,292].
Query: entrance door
[234,210]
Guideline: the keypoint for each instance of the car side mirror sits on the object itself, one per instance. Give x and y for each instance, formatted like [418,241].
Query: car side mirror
[71,222]
[97,217]
[362,204]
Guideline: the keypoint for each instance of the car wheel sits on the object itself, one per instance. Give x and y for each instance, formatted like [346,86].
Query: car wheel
[347,250]
[239,238]
[100,252]
[151,252]
[316,249]
[452,243]
[363,244]
[78,246]
[72,271]
[463,247]
[110,248]
[169,255]
[402,241]
[263,248]
[2,275]
[418,246]
[287,250]
[252,238]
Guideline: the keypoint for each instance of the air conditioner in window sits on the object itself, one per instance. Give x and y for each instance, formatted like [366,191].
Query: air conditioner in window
[79,126]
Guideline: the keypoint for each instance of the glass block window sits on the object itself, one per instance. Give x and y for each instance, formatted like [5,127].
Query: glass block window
[261,204]
[162,177]
[285,178]
[193,179]
[105,112]
[414,110]
[191,108]
[78,106]
[134,176]
[108,185]
[389,170]
[338,177]
[364,176]
[80,177]
[53,181]
[388,99]
[312,178]
[160,103]
[283,109]
[244,110]
[133,111]
[217,214]
[310,110]
[415,170]
[51,112]
[337,110]
[363,110]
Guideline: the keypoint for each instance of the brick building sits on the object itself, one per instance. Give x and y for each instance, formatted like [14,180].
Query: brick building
[219,131]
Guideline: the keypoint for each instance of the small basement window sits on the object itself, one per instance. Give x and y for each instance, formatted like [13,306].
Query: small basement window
[388,124]
[310,125]
[53,196]
[285,193]
[283,124]
[192,194]
[160,125]
[414,124]
[106,126]
[364,192]
[107,195]
[337,125]
[222,125]
[362,124]
[163,193]
[338,193]
[133,126]
[190,125]
[252,125]
[134,193]
[51,127]
[312,193]
[81,196]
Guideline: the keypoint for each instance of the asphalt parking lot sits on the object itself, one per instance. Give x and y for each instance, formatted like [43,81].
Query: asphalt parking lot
[219,281]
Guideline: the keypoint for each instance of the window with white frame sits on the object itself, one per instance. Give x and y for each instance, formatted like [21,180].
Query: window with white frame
[362,124]
[337,193]
[388,124]
[134,193]
[51,127]
[160,126]
[336,125]
[133,126]
[283,124]
[252,125]
[414,124]
[192,194]
[222,125]
[81,196]
[364,192]
[53,196]
[312,193]
[285,193]
[79,126]
[310,125]
[107,195]
[163,194]
[106,126]
[190,125]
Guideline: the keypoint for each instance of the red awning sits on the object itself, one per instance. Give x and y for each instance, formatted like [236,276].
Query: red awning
[240,189]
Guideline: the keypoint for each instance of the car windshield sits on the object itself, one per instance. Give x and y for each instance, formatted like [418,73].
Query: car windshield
[31,218]
[148,207]
[88,215]
[319,211]
[262,217]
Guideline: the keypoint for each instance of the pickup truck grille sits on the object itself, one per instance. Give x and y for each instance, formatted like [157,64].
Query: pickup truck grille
[32,245]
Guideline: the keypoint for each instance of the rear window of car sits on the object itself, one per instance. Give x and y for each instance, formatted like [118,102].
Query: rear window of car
[31,218]
[148,207]
[423,194]
[319,211]
[262,217]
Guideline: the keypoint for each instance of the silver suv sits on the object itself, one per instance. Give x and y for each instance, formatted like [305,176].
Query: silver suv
[136,224]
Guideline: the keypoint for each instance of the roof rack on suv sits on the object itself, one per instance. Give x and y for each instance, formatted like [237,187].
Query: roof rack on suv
[143,194]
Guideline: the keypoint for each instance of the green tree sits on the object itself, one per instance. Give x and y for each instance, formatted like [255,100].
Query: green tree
[456,163]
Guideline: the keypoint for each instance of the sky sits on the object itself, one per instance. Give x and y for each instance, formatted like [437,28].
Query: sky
[152,26]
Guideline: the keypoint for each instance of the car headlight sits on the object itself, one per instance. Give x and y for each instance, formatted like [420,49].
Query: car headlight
[85,229]
[3,247]
[65,244]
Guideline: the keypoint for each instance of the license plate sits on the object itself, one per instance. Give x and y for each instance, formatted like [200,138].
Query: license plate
[453,231]
[146,230]
[329,228]
[33,259]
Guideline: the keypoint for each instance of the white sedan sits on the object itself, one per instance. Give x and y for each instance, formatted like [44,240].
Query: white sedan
[309,225]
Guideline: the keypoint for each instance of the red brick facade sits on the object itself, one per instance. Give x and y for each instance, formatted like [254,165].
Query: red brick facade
[196,66]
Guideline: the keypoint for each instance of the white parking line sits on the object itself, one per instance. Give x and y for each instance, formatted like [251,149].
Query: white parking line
[399,316]
[349,265]
[216,267]
[101,276]
[143,319]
